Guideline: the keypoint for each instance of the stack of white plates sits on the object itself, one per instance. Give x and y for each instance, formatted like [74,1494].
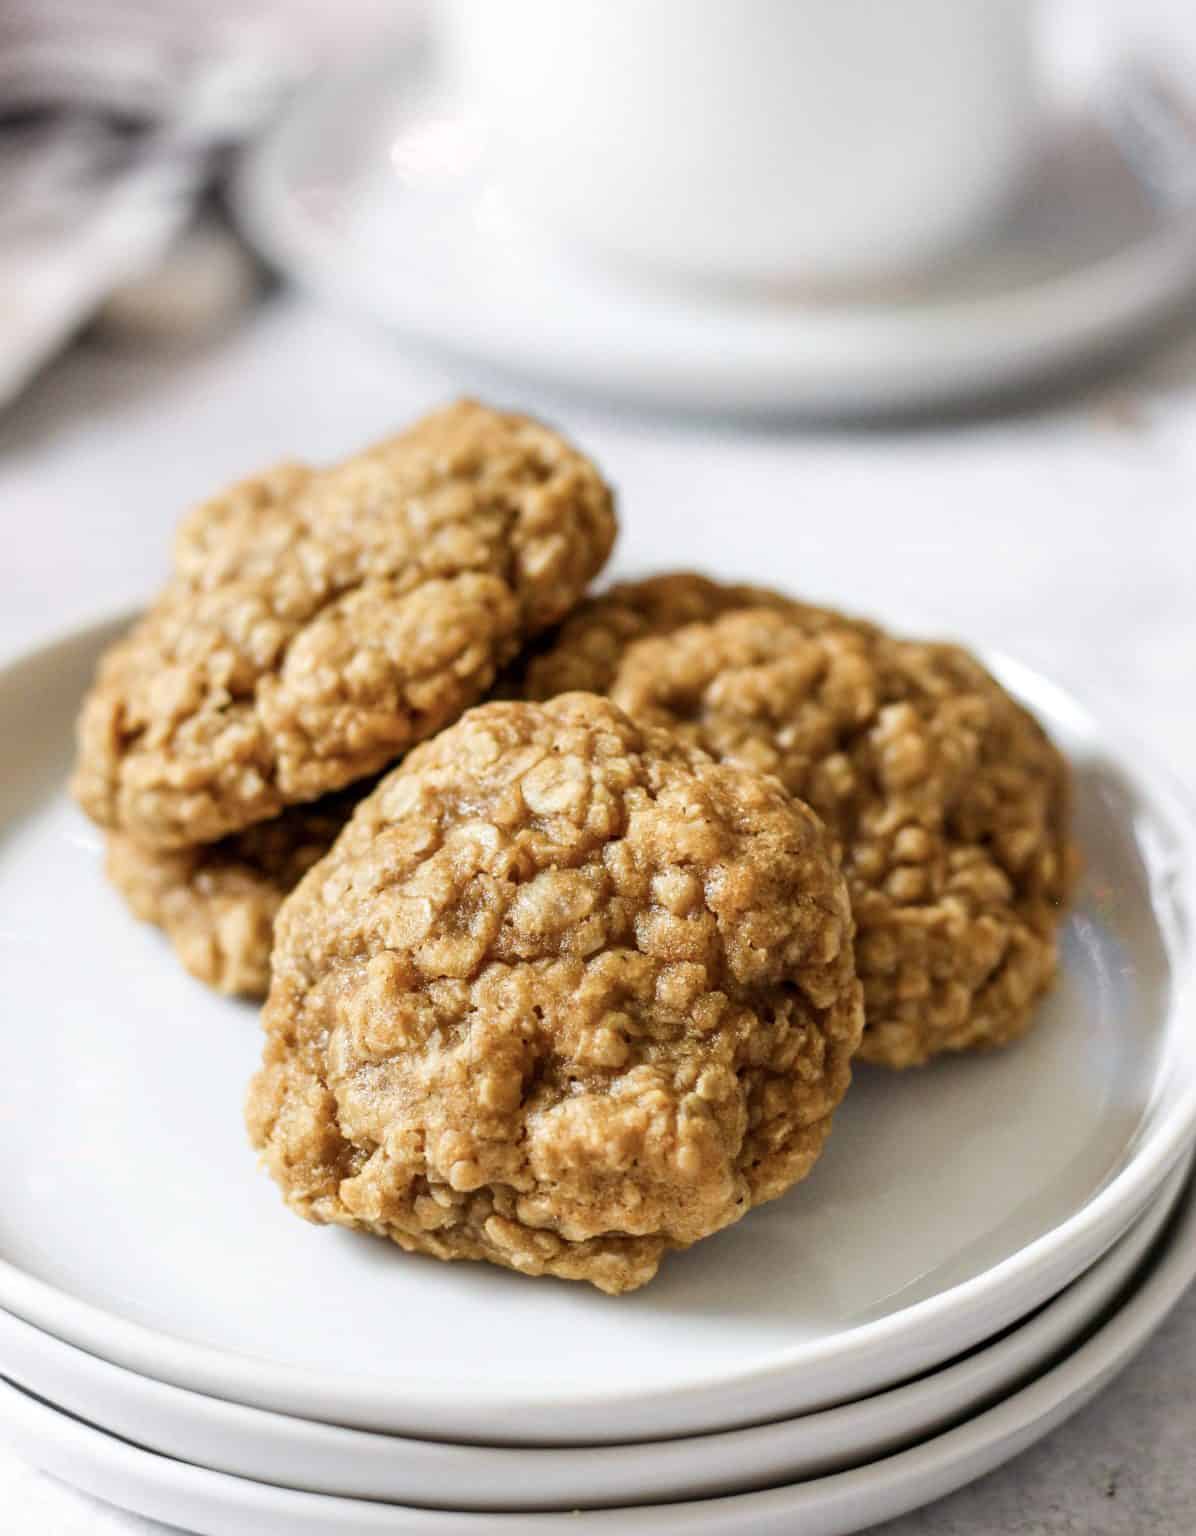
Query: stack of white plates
[982,1245]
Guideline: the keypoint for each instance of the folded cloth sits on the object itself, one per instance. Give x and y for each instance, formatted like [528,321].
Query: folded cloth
[115,118]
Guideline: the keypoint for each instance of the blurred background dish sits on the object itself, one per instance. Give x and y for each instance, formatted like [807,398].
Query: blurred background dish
[528,191]
[825,143]
[381,191]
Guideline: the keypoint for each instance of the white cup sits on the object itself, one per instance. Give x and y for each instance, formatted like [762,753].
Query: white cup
[760,141]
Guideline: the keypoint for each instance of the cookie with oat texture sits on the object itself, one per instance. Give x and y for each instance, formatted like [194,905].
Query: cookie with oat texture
[566,994]
[947,802]
[319,622]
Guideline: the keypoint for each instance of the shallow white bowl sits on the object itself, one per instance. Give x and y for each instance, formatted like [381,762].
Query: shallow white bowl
[320,1458]
[949,1202]
[214,1504]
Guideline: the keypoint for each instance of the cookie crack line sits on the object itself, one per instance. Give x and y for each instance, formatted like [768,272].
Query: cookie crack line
[320,623]
[426,574]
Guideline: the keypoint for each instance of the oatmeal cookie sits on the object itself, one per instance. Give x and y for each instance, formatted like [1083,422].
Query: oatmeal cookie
[216,902]
[564,995]
[947,801]
[318,623]
[585,651]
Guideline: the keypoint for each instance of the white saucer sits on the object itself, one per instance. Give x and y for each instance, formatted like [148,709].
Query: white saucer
[213,1504]
[328,1459]
[948,1205]
[374,192]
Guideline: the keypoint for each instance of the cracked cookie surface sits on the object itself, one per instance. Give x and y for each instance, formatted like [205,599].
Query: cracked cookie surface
[319,622]
[947,801]
[216,902]
[565,994]
[583,653]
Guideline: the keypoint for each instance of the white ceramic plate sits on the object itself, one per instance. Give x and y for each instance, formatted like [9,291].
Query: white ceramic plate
[374,192]
[320,1458]
[214,1504]
[949,1202]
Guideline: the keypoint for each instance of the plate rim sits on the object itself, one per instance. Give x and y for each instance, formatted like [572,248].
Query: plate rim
[1007,1363]
[836,1505]
[386,1403]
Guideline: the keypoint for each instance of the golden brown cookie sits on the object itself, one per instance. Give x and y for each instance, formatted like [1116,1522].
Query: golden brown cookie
[564,995]
[583,654]
[947,800]
[216,902]
[319,622]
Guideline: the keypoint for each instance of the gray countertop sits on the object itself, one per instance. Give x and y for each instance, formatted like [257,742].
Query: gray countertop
[1123,1466]
[1065,534]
